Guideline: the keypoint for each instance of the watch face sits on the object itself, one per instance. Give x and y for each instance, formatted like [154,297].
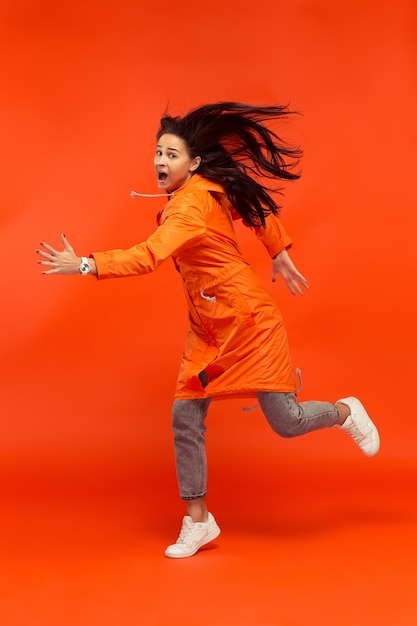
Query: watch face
[84,268]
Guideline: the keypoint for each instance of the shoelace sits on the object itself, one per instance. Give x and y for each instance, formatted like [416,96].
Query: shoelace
[185,533]
[358,435]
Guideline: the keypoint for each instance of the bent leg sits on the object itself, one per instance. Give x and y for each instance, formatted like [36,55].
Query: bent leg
[288,418]
[188,423]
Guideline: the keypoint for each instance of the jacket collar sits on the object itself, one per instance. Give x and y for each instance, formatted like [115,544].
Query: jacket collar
[197,183]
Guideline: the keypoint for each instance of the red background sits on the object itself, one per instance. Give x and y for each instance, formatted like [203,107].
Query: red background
[88,368]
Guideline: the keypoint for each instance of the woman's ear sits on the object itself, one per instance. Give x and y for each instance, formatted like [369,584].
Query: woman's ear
[195,163]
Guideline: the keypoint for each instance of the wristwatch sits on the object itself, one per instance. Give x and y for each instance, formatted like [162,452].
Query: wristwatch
[84,266]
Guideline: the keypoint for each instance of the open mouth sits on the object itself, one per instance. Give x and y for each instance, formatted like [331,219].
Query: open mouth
[162,176]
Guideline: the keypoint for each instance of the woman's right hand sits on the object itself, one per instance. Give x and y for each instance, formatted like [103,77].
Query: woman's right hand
[283,264]
[59,262]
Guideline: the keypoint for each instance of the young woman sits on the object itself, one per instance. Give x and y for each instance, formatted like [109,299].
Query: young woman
[213,164]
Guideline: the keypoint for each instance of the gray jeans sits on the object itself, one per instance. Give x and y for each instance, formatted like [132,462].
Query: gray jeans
[285,416]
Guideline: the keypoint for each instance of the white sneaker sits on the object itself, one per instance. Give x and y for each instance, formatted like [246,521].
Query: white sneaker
[192,537]
[360,427]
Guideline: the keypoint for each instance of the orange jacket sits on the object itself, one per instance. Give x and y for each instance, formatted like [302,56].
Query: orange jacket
[236,342]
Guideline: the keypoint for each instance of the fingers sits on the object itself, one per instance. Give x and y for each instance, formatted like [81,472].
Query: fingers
[303,281]
[298,289]
[48,263]
[56,262]
[293,284]
[45,255]
[52,252]
[297,279]
[296,285]
[47,247]
[66,243]
[294,280]
[304,284]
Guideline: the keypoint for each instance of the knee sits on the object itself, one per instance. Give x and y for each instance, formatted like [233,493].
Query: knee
[282,413]
[188,417]
[286,429]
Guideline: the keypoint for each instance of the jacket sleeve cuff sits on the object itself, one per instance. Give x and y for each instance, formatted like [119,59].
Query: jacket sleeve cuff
[103,264]
[273,236]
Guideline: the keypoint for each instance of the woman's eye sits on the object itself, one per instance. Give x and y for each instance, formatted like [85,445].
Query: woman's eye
[172,156]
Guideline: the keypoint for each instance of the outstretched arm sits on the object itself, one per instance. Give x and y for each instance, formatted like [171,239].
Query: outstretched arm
[183,224]
[283,265]
[62,262]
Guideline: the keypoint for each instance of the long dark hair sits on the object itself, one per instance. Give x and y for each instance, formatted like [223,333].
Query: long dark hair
[237,150]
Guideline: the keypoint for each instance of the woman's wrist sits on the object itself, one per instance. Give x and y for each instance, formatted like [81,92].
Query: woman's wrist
[87,265]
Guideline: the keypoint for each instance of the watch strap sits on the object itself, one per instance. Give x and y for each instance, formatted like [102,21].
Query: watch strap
[84,266]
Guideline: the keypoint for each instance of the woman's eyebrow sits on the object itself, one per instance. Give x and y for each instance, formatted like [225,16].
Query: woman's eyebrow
[168,147]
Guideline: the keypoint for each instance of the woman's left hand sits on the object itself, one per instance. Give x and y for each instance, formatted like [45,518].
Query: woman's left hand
[283,264]
[59,262]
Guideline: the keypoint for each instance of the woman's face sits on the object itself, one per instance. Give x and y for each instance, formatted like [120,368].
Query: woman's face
[173,163]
